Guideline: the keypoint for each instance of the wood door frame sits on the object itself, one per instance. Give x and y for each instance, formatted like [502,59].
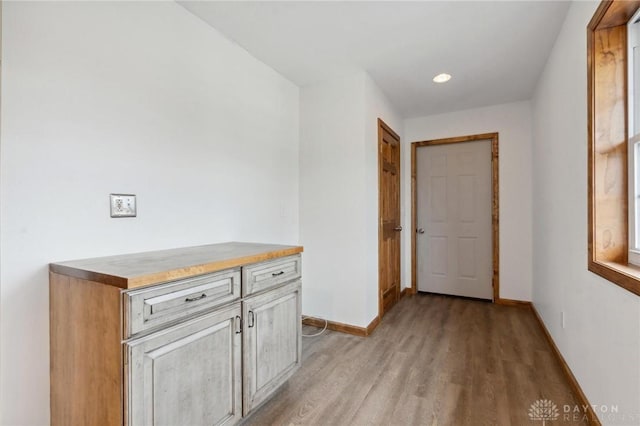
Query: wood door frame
[495,203]
[383,126]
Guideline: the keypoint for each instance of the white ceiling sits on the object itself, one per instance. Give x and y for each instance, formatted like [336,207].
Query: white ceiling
[495,50]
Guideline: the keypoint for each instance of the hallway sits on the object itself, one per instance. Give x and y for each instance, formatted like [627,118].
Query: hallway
[434,360]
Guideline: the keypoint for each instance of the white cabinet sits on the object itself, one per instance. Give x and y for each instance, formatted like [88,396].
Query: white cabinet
[192,336]
[216,368]
[272,342]
[189,374]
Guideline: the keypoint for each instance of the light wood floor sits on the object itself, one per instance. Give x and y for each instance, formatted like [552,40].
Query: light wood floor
[434,360]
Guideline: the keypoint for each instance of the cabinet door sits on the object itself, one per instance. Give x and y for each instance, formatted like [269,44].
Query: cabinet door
[189,374]
[272,341]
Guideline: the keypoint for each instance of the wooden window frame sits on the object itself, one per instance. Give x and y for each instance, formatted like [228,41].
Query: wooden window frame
[608,197]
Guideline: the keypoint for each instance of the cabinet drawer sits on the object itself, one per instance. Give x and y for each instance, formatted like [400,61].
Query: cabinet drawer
[147,308]
[262,276]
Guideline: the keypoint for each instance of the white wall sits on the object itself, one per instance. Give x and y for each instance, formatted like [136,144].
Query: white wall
[127,97]
[513,123]
[332,198]
[339,196]
[378,106]
[601,338]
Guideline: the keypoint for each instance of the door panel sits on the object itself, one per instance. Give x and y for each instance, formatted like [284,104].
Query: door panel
[389,217]
[467,257]
[187,374]
[453,189]
[272,342]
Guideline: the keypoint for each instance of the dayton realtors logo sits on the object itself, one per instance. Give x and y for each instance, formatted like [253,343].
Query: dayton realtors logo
[546,410]
[543,409]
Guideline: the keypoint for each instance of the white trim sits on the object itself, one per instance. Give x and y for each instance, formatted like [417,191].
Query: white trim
[634,257]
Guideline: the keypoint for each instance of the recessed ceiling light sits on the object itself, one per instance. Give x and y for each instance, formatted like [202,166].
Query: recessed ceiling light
[442,78]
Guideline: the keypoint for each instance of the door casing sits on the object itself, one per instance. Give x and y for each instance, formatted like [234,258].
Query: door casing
[495,204]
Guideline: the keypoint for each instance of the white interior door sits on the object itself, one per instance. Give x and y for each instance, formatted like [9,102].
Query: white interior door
[453,217]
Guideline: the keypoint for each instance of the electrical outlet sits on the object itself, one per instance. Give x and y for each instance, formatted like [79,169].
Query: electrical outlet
[123,205]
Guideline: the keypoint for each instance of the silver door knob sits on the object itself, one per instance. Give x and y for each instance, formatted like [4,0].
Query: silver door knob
[398,228]
[420,230]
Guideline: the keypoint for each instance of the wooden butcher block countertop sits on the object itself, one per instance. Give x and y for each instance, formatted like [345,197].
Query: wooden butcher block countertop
[136,270]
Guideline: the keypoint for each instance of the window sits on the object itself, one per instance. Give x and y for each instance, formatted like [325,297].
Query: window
[614,143]
[633,139]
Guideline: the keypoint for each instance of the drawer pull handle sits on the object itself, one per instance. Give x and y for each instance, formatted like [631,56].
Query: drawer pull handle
[276,274]
[239,324]
[193,299]
[252,320]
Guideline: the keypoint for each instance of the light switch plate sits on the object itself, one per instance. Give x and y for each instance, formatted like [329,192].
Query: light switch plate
[123,205]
